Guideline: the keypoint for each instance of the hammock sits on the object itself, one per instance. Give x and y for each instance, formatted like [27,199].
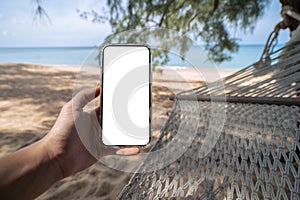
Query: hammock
[257,154]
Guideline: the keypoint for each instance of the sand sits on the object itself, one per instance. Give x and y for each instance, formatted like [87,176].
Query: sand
[31,97]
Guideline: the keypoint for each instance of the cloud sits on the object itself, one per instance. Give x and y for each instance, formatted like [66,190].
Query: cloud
[19,21]
[4,33]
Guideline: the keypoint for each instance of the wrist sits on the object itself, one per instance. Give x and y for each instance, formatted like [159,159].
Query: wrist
[29,171]
[51,159]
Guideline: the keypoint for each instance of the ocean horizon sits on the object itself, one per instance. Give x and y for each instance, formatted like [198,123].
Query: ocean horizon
[88,55]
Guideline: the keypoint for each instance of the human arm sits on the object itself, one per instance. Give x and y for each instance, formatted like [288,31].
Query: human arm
[30,171]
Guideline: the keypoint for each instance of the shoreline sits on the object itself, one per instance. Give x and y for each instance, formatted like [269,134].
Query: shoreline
[175,78]
[182,73]
[206,74]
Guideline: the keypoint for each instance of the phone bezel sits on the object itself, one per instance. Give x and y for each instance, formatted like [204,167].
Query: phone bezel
[102,88]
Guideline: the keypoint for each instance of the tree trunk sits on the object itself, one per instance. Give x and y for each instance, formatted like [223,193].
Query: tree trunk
[295,4]
[294,27]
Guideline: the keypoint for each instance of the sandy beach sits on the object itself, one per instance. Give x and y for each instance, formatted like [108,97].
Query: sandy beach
[31,97]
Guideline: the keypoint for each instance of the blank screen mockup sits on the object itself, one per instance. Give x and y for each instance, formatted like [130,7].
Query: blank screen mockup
[126,95]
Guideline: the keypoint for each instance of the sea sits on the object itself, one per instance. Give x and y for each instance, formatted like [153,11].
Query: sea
[246,55]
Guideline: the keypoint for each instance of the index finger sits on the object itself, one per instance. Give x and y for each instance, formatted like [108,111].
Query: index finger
[84,97]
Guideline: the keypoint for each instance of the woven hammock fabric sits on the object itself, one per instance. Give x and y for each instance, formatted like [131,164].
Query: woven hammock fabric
[256,156]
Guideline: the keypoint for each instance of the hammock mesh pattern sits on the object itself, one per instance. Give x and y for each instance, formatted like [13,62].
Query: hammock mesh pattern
[257,155]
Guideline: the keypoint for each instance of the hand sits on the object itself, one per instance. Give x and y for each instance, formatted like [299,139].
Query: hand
[74,141]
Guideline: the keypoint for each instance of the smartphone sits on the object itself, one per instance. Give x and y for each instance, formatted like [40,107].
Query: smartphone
[126,95]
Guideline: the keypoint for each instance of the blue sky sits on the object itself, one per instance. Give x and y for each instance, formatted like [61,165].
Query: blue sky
[68,29]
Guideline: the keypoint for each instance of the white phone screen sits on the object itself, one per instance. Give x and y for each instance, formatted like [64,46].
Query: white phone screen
[126,95]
